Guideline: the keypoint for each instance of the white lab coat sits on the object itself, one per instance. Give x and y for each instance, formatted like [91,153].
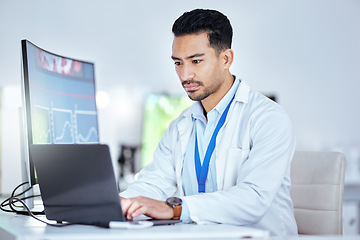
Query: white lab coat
[253,151]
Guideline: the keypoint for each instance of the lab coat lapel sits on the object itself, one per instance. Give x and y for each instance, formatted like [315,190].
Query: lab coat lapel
[225,136]
[184,128]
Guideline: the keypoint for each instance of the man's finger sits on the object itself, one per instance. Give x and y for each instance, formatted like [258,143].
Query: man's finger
[134,205]
[141,210]
[125,204]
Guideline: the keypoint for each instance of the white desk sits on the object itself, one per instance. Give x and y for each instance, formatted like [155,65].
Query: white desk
[18,227]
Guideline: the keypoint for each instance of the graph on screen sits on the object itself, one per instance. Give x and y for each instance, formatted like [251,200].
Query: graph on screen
[63,126]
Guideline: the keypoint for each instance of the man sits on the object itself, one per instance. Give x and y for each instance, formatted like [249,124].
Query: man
[226,159]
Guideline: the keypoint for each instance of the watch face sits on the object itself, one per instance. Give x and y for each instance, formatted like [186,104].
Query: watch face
[175,201]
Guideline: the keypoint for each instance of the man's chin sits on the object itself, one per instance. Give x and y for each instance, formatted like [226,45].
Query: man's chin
[195,97]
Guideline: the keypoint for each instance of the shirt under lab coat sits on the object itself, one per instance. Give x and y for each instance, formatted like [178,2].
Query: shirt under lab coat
[253,151]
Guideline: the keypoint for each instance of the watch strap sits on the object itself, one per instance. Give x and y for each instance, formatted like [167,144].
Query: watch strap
[177,212]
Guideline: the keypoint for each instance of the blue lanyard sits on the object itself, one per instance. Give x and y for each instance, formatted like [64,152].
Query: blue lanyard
[202,171]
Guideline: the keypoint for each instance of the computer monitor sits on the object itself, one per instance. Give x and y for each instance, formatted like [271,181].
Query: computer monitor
[59,104]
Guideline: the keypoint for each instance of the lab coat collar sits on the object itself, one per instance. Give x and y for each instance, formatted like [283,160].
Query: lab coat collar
[242,94]
[185,125]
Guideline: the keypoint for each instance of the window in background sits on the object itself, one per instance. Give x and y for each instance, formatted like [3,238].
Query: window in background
[159,111]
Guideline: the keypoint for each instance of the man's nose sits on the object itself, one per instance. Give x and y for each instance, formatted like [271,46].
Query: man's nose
[187,73]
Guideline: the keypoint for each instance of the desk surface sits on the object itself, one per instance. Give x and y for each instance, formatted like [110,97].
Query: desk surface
[18,227]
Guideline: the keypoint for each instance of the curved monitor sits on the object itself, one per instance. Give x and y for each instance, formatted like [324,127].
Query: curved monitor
[59,104]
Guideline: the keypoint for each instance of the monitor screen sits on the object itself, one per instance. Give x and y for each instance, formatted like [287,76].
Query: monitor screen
[59,100]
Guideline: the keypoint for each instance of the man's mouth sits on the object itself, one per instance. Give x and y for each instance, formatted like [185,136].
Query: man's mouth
[191,85]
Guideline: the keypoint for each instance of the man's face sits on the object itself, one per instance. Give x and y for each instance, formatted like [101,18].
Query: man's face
[198,65]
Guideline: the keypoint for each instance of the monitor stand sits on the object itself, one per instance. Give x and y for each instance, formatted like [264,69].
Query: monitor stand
[25,165]
[29,201]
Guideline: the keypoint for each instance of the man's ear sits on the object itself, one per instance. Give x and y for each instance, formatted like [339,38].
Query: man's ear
[228,57]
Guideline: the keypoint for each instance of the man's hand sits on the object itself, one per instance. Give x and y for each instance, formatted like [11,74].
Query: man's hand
[134,207]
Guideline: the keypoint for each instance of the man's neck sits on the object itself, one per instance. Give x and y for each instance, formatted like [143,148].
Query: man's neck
[211,101]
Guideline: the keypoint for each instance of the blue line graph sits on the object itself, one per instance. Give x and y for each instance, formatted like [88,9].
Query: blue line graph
[84,132]
[64,126]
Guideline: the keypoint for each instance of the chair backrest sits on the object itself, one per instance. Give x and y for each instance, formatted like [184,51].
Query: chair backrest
[317,191]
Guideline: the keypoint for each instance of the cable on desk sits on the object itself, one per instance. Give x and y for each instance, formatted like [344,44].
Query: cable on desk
[13,199]
[32,215]
[16,198]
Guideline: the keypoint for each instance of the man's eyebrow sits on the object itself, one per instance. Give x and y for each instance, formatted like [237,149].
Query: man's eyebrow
[175,58]
[189,57]
[195,55]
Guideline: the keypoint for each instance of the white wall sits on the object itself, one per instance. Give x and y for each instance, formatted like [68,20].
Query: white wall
[305,51]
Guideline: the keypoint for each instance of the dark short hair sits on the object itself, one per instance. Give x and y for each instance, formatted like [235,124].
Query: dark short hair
[213,22]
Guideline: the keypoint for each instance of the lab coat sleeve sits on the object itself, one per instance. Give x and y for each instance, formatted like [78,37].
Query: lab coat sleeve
[259,178]
[158,179]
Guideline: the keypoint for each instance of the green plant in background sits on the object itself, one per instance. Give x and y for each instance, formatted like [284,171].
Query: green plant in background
[159,111]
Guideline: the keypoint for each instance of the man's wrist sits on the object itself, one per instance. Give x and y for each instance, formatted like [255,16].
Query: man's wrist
[175,203]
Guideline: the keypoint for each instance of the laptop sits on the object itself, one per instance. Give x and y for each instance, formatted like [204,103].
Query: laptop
[77,184]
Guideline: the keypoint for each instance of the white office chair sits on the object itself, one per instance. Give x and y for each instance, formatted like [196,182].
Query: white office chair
[317,191]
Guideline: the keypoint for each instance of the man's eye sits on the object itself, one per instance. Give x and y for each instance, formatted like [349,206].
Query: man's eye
[196,61]
[177,63]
